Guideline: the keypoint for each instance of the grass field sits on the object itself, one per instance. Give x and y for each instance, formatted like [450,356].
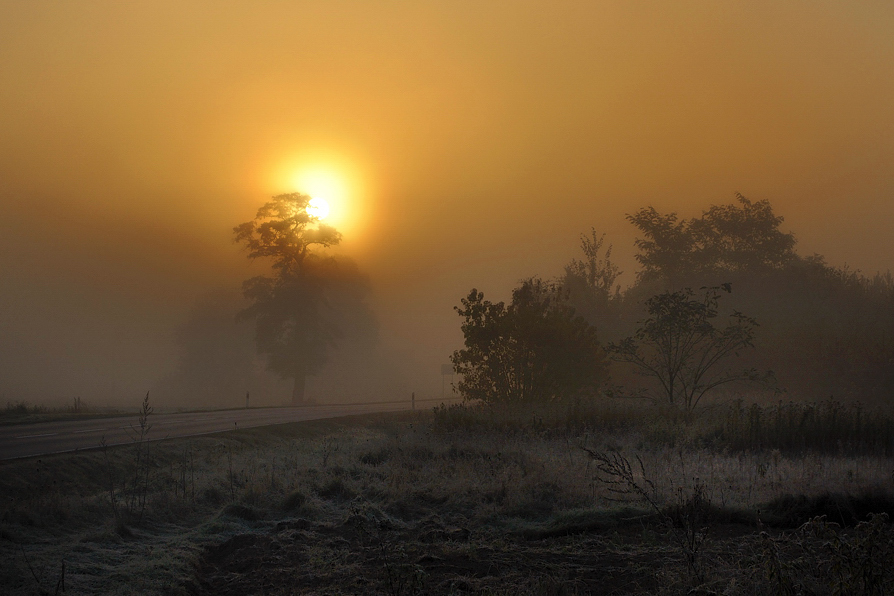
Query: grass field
[467,500]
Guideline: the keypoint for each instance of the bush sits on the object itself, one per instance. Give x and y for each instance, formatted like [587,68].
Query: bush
[535,350]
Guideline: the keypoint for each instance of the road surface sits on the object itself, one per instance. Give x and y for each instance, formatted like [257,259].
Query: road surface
[27,440]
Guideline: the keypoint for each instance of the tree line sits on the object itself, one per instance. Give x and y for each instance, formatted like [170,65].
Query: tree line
[680,331]
[719,301]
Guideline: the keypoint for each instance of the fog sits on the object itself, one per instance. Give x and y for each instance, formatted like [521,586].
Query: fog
[470,146]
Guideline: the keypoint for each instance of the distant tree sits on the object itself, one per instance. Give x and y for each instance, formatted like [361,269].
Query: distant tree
[591,284]
[533,350]
[679,346]
[825,330]
[217,357]
[726,238]
[667,249]
[304,308]
[744,237]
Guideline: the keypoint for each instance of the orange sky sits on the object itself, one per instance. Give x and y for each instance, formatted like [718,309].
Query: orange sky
[475,141]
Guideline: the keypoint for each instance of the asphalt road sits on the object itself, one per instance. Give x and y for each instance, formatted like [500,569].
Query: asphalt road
[27,440]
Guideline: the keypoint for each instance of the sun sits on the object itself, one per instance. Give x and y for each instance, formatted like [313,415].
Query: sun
[333,184]
[328,190]
[318,207]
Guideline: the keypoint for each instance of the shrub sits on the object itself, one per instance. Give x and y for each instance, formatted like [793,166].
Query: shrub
[534,350]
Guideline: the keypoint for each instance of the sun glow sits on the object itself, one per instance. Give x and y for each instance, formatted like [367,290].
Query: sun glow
[320,183]
[331,179]
[318,207]
[333,190]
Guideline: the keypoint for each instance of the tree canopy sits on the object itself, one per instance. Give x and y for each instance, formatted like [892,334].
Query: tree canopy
[824,329]
[284,231]
[726,238]
[311,301]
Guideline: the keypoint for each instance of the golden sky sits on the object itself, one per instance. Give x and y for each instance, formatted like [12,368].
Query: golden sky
[465,144]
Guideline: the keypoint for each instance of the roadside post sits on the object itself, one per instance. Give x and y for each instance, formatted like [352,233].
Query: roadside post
[446,369]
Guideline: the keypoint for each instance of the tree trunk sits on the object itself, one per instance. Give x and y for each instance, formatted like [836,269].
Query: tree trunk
[298,389]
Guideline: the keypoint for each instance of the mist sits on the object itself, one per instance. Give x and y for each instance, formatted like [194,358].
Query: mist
[473,145]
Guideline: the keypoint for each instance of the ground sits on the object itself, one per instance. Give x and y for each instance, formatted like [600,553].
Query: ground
[361,556]
[448,503]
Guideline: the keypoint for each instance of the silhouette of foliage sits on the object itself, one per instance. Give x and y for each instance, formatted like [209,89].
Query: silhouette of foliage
[591,284]
[725,238]
[679,346]
[533,350]
[305,307]
[284,231]
[825,330]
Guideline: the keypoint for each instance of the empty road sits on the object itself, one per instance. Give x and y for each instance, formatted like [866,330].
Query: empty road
[27,440]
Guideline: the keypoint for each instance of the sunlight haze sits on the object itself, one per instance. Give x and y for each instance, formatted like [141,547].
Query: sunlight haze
[458,145]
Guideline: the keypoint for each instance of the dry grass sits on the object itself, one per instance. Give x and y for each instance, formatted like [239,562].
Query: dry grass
[21,412]
[399,502]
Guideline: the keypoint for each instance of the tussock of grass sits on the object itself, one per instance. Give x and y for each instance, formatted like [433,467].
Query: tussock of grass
[573,415]
[376,458]
[294,501]
[336,490]
[828,427]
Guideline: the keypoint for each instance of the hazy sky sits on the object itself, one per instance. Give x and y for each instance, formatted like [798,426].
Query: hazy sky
[461,143]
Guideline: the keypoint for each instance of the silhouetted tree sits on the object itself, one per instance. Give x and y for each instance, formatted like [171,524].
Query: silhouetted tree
[306,306]
[217,359]
[825,330]
[679,346]
[591,284]
[534,350]
[667,249]
[726,238]
[741,238]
